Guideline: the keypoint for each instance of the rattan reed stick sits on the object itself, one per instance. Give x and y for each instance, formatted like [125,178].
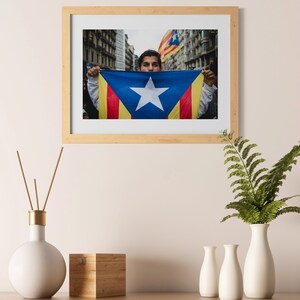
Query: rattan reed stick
[53,177]
[29,198]
[36,195]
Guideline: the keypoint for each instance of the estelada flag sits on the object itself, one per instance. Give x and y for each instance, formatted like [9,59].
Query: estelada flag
[169,44]
[149,95]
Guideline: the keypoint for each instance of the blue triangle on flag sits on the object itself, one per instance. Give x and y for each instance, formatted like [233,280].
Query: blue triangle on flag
[166,89]
[174,40]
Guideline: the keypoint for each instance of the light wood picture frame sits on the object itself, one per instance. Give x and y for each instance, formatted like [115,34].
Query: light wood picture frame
[77,19]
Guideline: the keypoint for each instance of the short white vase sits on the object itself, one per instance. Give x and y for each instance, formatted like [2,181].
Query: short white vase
[37,269]
[259,270]
[209,273]
[231,279]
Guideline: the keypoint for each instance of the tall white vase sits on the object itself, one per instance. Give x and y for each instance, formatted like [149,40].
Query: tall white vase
[37,269]
[259,270]
[209,274]
[231,280]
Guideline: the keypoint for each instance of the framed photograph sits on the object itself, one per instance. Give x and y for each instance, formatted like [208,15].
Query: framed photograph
[149,74]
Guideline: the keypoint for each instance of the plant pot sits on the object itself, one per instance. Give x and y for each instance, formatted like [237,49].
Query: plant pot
[259,270]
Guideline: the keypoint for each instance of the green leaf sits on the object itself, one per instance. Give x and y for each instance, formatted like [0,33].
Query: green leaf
[255,164]
[240,181]
[241,144]
[277,174]
[244,194]
[228,147]
[259,179]
[230,135]
[232,159]
[257,173]
[247,149]
[249,213]
[269,212]
[251,157]
[229,216]
[230,152]
[288,198]
[243,187]
[237,140]
[238,173]
[286,162]
[289,209]
[235,167]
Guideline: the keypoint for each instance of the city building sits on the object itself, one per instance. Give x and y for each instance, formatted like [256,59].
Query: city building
[120,50]
[129,55]
[198,48]
[108,49]
[99,48]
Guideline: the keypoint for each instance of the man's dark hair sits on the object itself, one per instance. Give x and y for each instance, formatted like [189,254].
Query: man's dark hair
[149,53]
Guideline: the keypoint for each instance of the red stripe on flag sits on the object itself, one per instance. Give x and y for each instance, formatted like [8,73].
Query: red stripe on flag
[186,104]
[164,40]
[112,104]
[169,50]
[167,37]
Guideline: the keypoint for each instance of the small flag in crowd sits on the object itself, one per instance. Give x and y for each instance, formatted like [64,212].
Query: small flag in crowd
[149,95]
[169,44]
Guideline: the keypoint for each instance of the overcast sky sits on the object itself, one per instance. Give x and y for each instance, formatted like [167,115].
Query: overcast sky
[145,39]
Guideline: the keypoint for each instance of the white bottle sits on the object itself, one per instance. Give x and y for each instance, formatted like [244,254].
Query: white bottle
[259,270]
[230,281]
[37,269]
[209,274]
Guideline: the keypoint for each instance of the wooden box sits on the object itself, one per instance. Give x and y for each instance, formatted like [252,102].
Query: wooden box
[97,275]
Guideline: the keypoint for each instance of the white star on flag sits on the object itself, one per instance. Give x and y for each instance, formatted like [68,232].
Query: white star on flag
[149,94]
[174,37]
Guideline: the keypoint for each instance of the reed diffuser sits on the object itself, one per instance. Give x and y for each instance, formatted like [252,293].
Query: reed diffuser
[37,269]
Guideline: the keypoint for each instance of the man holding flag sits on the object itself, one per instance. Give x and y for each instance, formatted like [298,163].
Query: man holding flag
[156,98]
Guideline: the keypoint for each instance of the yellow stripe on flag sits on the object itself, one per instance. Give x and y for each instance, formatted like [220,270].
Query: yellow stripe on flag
[164,41]
[196,95]
[171,51]
[102,97]
[175,113]
[123,112]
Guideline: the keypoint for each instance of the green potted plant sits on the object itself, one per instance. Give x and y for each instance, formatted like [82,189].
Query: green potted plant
[256,202]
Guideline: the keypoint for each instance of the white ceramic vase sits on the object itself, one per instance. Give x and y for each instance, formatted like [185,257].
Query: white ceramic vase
[231,279]
[259,270]
[209,274]
[37,269]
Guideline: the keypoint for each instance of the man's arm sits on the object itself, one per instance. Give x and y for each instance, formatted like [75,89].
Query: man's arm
[93,90]
[92,85]
[206,97]
[208,90]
